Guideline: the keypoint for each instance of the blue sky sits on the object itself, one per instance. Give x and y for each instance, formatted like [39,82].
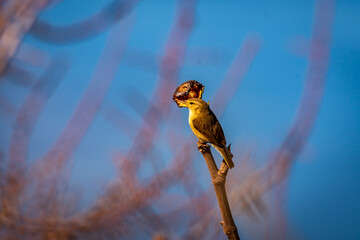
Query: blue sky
[324,185]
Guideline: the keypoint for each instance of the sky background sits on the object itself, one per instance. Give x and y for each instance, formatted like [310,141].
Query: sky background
[324,184]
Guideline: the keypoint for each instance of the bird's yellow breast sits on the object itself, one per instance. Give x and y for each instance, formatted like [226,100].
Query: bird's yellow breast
[192,116]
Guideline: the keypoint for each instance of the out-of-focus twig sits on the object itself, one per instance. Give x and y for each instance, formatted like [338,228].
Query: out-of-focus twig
[16,18]
[236,73]
[24,124]
[85,29]
[55,159]
[171,63]
[7,108]
[19,76]
[304,121]
[315,78]
[120,119]
[280,163]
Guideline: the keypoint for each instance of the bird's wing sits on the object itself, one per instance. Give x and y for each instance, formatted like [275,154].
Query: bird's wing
[211,129]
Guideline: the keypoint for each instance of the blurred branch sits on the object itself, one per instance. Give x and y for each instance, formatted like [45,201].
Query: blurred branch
[299,133]
[309,106]
[149,61]
[114,206]
[18,75]
[120,119]
[315,79]
[24,124]
[55,159]
[236,73]
[8,108]
[16,17]
[280,163]
[85,29]
[31,55]
[171,63]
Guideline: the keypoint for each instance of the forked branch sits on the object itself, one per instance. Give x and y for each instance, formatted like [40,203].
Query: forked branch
[218,178]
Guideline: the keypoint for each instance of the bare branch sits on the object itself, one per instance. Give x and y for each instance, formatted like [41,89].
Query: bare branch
[218,178]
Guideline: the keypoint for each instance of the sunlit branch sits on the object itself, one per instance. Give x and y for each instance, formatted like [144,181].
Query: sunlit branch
[218,178]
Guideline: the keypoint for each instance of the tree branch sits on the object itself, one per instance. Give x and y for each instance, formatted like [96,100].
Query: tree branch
[218,178]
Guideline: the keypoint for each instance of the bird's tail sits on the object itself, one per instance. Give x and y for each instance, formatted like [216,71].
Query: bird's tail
[226,154]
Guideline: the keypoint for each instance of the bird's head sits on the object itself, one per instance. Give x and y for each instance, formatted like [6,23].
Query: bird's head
[194,104]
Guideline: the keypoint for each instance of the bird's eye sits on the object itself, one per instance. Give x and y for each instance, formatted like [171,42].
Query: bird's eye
[191,103]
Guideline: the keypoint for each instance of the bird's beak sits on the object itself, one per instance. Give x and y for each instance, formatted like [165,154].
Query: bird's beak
[177,97]
[181,103]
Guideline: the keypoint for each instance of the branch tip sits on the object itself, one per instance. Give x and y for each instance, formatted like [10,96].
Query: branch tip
[224,168]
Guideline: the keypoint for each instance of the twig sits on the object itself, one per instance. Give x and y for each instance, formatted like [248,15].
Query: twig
[218,178]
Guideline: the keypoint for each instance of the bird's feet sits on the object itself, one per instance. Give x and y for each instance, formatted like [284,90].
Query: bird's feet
[202,146]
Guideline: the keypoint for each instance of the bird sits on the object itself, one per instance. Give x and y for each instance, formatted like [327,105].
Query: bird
[206,127]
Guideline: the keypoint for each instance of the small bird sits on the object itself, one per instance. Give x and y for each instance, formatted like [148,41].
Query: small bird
[206,127]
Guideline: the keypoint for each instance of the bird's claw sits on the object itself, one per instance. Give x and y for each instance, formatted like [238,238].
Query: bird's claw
[202,146]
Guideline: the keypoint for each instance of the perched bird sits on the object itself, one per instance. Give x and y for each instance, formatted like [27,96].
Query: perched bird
[206,127]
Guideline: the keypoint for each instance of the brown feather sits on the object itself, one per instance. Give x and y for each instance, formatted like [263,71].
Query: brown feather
[210,128]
